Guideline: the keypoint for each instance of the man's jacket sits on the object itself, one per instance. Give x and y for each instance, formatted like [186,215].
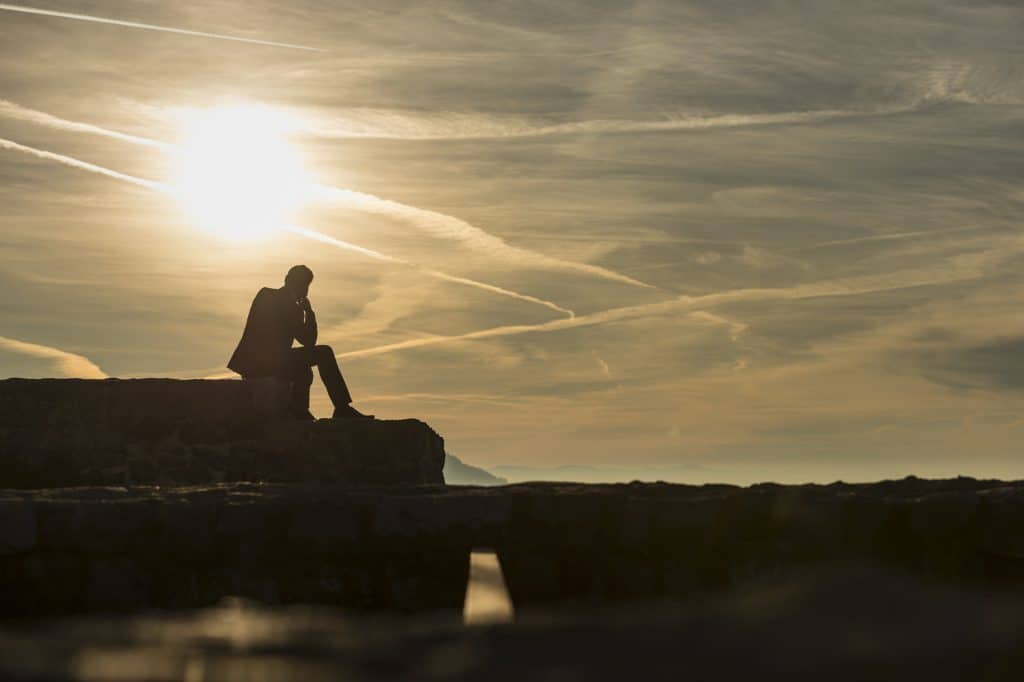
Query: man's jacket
[275,320]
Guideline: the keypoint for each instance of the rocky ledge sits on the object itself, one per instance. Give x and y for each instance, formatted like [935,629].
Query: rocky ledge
[73,432]
[79,550]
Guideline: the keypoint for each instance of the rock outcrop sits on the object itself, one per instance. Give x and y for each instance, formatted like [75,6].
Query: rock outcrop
[102,549]
[68,432]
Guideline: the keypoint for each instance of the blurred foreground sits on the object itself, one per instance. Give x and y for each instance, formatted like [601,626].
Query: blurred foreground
[837,622]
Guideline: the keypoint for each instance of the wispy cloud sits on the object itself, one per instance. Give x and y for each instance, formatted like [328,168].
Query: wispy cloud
[150,27]
[65,363]
[452,228]
[15,111]
[605,369]
[82,165]
[310,234]
[695,306]
[321,237]
[432,222]
[391,125]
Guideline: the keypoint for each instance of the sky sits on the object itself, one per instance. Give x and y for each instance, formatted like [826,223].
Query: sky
[691,241]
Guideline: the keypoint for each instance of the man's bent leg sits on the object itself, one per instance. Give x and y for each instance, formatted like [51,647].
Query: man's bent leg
[301,376]
[330,374]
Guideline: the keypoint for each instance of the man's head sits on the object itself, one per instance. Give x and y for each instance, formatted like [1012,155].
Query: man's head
[297,281]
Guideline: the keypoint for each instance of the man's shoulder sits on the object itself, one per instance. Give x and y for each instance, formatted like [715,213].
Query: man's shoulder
[267,293]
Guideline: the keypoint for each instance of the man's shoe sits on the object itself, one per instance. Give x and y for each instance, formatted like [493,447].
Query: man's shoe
[305,416]
[349,412]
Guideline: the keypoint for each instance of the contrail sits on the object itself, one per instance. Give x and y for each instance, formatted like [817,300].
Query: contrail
[319,236]
[83,165]
[434,223]
[311,234]
[20,113]
[696,305]
[151,27]
[383,125]
[450,227]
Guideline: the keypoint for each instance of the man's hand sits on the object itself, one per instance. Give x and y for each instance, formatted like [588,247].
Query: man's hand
[305,305]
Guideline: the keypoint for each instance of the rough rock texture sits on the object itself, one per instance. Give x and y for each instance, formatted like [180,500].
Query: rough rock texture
[89,549]
[64,432]
[79,550]
[845,627]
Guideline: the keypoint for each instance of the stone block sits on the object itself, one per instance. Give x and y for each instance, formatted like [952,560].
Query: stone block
[71,432]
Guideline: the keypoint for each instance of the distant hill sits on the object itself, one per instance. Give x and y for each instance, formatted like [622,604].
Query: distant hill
[457,472]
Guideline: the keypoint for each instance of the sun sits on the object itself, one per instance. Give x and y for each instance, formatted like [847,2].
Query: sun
[235,172]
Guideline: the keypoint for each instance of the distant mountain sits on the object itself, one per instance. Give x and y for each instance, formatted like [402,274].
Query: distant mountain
[457,472]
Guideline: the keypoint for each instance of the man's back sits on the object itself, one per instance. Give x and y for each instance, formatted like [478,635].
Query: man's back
[269,331]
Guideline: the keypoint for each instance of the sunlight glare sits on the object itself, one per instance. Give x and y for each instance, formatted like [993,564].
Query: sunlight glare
[235,173]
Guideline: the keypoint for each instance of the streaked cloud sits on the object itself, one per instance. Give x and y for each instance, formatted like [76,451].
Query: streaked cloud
[452,228]
[437,224]
[18,112]
[310,234]
[10,145]
[392,125]
[63,363]
[148,27]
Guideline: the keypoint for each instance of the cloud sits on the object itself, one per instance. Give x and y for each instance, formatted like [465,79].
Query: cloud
[310,234]
[16,111]
[990,364]
[396,125]
[319,236]
[81,165]
[606,371]
[959,270]
[149,27]
[65,363]
[814,234]
[432,222]
[452,228]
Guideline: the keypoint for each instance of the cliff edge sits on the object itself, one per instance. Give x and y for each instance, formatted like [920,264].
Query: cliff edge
[74,432]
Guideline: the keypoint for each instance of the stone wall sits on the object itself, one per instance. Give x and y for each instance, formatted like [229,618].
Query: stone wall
[65,432]
[88,549]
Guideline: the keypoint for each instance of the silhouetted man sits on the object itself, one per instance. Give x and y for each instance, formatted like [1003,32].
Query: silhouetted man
[278,317]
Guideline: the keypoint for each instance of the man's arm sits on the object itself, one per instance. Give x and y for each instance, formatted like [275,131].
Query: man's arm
[307,332]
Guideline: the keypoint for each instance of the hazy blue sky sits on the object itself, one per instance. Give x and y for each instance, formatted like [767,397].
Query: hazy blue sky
[789,232]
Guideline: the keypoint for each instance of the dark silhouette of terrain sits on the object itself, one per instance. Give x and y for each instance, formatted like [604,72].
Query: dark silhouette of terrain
[73,432]
[849,624]
[276,319]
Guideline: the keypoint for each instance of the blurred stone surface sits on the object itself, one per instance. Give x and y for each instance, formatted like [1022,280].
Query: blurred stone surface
[406,549]
[847,623]
[73,432]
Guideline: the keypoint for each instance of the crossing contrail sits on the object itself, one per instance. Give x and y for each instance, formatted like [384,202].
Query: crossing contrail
[151,27]
[83,165]
[437,224]
[321,237]
[311,234]
[10,109]
[449,227]
[696,306]
[385,125]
